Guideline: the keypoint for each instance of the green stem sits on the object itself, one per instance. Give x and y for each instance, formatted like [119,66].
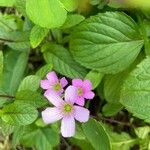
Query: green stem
[7,96]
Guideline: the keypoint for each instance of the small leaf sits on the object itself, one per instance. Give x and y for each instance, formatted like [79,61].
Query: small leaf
[72,20]
[14,67]
[47,13]
[37,35]
[135,94]
[62,61]
[31,82]
[95,77]
[70,5]
[43,71]
[108,42]
[96,135]
[16,114]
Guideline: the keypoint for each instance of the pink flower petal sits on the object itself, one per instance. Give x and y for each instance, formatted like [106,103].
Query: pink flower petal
[71,94]
[77,82]
[52,77]
[68,126]
[63,82]
[50,115]
[80,101]
[45,84]
[54,98]
[87,85]
[81,114]
[89,95]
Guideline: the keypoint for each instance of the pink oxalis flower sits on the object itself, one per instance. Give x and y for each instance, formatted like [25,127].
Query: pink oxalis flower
[65,110]
[52,83]
[84,90]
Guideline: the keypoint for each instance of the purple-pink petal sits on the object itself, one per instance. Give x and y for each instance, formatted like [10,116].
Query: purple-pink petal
[77,82]
[52,77]
[63,82]
[50,115]
[81,114]
[54,98]
[71,94]
[87,85]
[45,84]
[68,126]
[80,101]
[89,95]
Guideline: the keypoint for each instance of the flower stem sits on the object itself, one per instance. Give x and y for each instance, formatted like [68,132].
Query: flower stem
[7,96]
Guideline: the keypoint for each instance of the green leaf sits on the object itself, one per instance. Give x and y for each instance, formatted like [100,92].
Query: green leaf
[121,141]
[43,71]
[30,97]
[135,94]
[6,129]
[14,67]
[70,5]
[62,61]
[96,135]
[31,82]
[37,35]
[16,114]
[47,13]
[95,77]
[47,136]
[72,20]
[108,42]
[8,22]
[111,109]
[7,3]
[16,40]
[1,65]
[142,132]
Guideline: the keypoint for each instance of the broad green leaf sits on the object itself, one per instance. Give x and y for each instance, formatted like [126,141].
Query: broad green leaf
[47,136]
[37,35]
[1,65]
[7,3]
[46,13]
[108,42]
[70,5]
[95,77]
[62,61]
[43,71]
[135,94]
[14,67]
[72,20]
[96,135]
[17,114]
[20,5]
[31,82]
[30,97]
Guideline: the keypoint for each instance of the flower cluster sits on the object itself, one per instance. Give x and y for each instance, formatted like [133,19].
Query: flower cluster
[64,102]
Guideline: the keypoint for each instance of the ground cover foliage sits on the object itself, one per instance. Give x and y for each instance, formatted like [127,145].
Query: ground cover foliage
[105,42]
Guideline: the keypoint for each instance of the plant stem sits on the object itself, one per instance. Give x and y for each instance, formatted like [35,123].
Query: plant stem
[7,96]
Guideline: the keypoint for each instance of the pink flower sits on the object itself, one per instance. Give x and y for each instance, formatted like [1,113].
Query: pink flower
[52,83]
[84,91]
[65,110]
